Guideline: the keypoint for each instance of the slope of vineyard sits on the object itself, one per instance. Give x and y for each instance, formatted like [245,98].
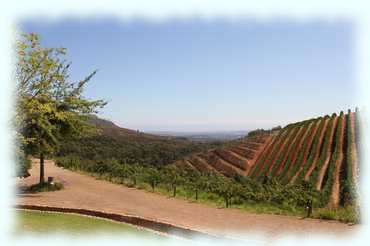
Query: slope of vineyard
[320,151]
[236,158]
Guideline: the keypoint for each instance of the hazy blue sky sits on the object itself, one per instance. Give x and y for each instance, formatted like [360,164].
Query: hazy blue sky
[196,76]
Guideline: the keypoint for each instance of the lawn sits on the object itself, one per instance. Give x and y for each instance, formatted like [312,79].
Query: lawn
[45,222]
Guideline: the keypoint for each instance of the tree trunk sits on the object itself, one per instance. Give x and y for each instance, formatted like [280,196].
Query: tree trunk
[227,202]
[42,169]
[152,184]
[174,191]
[196,194]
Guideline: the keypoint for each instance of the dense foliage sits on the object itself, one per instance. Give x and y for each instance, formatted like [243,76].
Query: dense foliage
[348,185]
[235,190]
[288,178]
[337,150]
[49,105]
[154,153]
[314,149]
[266,164]
[284,151]
[325,152]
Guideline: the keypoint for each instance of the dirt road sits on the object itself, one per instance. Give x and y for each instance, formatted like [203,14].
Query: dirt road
[82,191]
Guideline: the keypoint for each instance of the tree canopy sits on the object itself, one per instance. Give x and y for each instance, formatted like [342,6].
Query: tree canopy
[50,107]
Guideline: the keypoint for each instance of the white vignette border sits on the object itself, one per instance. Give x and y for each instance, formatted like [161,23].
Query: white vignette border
[161,10]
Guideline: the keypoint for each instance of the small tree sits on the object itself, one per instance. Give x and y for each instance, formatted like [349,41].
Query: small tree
[152,177]
[224,187]
[49,106]
[195,180]
[248,188]
[173,176]
[135,171]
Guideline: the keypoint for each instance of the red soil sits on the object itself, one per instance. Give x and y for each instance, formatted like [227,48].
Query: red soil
[292,144]
[262,156]
[306,152]
[238,158]
[233,158]
[222,166]
[276,144]
[280,149]
[317,151]
[246,153]
[259,152]
[298,145]
[328,154]
[199,163]
[264,149]
[335,192]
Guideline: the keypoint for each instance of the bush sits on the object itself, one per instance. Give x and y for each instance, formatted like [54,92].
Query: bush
[44,187]
[23,165]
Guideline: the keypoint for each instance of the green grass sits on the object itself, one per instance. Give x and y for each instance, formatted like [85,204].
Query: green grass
[46,222]
[344,214]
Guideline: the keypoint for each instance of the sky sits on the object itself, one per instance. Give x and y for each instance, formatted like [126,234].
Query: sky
[209,76]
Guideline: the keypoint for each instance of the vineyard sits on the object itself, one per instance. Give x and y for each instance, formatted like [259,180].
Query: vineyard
[309,168]
[277,170]
[321,152]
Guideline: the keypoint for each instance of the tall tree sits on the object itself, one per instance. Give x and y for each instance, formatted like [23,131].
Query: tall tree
[49,106]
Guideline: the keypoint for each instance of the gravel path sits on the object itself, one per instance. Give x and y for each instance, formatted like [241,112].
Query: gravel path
[82,191]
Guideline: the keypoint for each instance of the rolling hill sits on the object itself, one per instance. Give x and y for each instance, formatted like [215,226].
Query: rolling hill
[321,151]
[129,146]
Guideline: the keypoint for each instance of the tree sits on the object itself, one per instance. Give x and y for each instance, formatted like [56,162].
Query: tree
[134,172]
[196,181]
[49,106]
[249,189]
[173,176]
[224,187]
[23,163]
[152,177]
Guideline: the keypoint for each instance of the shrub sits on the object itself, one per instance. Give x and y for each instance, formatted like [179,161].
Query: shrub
[44,187]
